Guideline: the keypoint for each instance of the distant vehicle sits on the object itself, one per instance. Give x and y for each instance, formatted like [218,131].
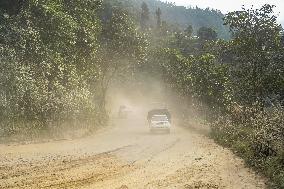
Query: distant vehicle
[159,119]
[163,111]
[122,112]
[160,123]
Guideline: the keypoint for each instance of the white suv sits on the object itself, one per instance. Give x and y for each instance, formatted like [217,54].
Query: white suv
[160,122]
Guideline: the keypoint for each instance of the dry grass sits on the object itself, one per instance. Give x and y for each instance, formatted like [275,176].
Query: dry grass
[258,137]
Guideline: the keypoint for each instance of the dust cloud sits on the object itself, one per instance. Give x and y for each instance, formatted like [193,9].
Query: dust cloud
[138,98]
[127,155]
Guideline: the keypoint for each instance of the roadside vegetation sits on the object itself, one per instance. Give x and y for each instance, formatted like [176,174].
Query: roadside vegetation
[237,84]
[58,59]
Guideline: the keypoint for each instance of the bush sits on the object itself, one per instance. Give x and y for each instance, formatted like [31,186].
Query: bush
[258,137]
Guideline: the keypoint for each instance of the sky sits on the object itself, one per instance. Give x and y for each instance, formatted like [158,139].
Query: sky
[227,6]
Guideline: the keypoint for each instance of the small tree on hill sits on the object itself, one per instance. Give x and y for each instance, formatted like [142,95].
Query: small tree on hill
[188,31]
[158,15]
[144,16]
[207,34]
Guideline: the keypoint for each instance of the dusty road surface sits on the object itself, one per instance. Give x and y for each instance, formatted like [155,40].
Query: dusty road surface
[126,156]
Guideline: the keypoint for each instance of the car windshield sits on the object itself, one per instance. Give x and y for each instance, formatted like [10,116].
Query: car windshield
[160,118]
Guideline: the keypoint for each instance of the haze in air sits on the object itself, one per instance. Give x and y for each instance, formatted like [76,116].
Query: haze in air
[229,6]
[117,94]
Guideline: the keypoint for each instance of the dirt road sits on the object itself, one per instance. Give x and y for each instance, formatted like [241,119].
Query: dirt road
[126,156]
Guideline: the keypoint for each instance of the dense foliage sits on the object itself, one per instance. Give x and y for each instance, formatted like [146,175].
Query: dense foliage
[179,17]
[56,59]
[238,84]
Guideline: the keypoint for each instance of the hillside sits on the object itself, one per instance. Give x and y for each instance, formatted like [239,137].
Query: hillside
[182,16]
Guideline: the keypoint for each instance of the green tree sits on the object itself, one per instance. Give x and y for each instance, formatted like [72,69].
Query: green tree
[189,31]
[47,54]
[199,78]
[158,17]
[11,7]
[257,53]
[282,38]
[207,34]
[145,16]
[122,48]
